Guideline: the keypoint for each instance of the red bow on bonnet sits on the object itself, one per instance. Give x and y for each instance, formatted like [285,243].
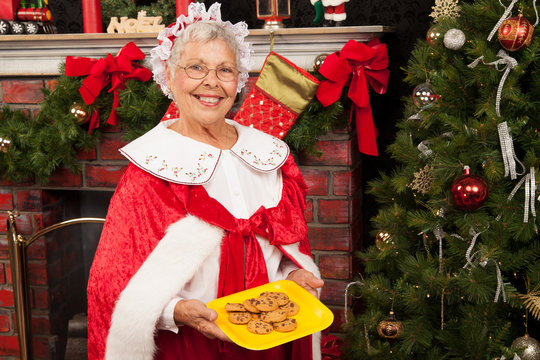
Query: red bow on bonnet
[356,66]
[116,70]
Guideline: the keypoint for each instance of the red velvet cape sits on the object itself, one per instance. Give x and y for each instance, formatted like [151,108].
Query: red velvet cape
[142,209]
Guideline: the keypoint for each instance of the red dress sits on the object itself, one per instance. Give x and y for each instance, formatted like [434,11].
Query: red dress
[156,236]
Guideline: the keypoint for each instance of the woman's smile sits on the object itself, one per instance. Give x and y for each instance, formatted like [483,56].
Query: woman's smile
[206,99]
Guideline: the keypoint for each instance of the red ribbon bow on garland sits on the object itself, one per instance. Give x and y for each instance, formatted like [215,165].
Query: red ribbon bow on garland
[356,66]
[116,70]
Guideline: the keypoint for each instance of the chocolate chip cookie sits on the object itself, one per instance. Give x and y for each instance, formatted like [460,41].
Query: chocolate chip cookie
[239,317]
[265,303]
[291,308]
[285,325]
[280,297]
[274,316]
[259,327]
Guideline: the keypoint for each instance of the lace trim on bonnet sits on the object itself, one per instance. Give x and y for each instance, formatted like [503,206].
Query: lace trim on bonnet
[197,12]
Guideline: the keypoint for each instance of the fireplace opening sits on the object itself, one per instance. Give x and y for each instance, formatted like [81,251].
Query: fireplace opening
[58,268]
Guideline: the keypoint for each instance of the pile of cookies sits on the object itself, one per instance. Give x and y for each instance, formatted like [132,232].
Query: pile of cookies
[270,311]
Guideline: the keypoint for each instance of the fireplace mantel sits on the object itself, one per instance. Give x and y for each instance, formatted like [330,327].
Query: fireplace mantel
[41,55]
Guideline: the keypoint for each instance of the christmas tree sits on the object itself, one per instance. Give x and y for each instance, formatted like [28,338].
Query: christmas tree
[455,269]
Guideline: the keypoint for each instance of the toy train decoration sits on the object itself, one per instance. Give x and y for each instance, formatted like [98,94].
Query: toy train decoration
[25,17]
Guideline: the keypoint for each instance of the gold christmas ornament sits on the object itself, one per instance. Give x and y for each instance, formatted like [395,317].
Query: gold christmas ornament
[4,145]
[433,35]
[423,179]
[527,347]
[531,300]
[383,241]
[78,112]
[319,61]
[445,9]
[390,328]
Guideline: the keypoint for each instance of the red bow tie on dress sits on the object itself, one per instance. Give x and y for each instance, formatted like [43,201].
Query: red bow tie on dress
[356,65]
[242,264]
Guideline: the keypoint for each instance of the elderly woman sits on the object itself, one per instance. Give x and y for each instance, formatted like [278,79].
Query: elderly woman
[206,208]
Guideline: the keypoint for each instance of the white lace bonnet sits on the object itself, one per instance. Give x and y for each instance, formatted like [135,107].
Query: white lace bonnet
[197,12]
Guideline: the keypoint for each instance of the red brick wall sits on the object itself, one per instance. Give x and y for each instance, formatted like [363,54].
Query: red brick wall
[53,270]
[333,214]
[47,279]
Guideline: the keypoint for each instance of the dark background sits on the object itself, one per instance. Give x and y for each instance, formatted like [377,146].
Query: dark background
[410,19]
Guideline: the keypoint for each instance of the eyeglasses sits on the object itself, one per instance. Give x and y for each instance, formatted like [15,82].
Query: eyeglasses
[200,71]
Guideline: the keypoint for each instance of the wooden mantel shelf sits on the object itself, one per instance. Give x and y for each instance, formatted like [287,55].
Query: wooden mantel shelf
[41,55]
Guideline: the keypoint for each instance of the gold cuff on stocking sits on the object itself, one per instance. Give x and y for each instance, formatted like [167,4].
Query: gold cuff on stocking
[286,84]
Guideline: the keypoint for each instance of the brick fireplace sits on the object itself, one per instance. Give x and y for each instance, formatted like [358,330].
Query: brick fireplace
[57,264]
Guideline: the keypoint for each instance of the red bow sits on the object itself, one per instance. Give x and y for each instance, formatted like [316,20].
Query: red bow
[242,264]
[331,346]
[116,70]
[254,268]
[356,65]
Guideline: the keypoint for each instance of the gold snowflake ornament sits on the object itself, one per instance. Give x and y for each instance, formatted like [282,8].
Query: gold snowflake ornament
[445,8]
[423,180]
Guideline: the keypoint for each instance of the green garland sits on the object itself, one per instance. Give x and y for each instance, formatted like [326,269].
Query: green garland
[52,139]
[119,8]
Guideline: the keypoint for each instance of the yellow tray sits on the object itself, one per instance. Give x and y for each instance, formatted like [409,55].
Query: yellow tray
[313,316]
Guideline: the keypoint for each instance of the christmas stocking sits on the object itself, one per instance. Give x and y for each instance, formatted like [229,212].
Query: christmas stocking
[281,93]
[171,113]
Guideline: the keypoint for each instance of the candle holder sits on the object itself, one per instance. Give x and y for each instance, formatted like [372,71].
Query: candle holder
[273,12]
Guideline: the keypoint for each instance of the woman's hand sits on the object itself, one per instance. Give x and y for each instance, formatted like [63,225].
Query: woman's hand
[306,280]
[195,314]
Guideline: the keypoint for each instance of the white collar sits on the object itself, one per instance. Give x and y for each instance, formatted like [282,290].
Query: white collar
[174,157]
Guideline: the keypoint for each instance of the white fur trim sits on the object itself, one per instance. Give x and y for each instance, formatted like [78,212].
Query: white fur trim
[316,346]
[307,263]
[170,265]
[340,17]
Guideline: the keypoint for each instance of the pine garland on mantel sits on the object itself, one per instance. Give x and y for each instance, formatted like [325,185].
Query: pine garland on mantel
[119,8]
[53,138]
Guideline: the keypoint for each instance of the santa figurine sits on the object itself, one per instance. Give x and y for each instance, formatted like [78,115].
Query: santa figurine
[331,11]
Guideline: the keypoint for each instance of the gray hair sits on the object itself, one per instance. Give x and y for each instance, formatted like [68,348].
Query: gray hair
[201,31]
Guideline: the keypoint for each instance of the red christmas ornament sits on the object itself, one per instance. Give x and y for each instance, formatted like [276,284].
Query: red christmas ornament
[469,192]
[515,33]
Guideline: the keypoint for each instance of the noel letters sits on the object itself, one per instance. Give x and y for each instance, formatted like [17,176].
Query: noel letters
[142,23]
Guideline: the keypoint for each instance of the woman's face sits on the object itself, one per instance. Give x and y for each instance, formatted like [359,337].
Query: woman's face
[204,101]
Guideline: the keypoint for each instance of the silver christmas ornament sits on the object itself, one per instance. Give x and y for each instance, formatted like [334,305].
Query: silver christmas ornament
[319,61]
[528,347]
[454,39]
[424,95]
